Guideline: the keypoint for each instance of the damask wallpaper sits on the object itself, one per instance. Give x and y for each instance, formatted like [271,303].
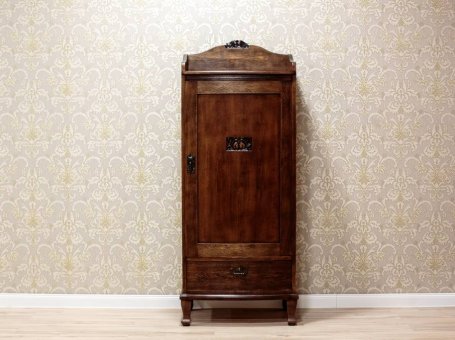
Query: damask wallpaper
[90,139]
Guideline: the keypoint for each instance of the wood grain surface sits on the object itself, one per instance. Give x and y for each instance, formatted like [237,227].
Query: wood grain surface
[238,183]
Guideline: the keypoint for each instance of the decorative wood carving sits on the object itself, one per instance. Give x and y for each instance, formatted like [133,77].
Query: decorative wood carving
[241,144]
[237,44]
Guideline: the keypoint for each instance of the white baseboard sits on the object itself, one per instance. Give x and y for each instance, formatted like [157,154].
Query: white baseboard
[8,300]
[395,300]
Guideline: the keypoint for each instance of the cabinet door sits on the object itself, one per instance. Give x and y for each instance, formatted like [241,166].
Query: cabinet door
[238,198]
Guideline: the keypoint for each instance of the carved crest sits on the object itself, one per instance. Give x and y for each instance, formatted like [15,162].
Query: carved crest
[237,44]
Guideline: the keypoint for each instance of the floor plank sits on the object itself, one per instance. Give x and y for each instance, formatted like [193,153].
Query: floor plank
[393,323]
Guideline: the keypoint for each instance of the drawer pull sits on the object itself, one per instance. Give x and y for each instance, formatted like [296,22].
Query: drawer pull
[239,271]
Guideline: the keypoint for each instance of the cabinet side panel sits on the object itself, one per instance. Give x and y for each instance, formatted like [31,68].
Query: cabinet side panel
[293,232]
[287,169]
[189,180]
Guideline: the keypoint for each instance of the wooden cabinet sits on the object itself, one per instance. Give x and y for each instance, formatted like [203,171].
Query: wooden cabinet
[238,159]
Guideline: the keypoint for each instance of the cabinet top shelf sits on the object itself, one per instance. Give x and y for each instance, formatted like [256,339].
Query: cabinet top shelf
[237,57]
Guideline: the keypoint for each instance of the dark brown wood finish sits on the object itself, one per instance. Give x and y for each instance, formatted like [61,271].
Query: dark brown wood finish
[238,277]
[238,192]
[186,310]
[238,158]
[252,60]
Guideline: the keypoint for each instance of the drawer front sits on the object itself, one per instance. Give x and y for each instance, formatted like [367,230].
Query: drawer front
[238,276]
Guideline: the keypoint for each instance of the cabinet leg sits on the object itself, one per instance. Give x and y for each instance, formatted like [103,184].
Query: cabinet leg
[291,307]
[192,304]
[284,304]
[186,310]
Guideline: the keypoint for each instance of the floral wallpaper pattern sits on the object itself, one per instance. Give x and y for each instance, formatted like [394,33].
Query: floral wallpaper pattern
[90,139]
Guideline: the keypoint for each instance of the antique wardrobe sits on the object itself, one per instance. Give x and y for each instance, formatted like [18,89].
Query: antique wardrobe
[238,157]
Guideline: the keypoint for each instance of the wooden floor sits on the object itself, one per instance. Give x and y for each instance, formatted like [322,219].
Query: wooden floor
[415,323]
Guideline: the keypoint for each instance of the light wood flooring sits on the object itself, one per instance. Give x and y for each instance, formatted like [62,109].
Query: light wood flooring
[412,323]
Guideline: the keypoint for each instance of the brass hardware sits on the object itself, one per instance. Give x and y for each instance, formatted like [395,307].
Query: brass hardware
[239,271]
[190,164]
[239,144]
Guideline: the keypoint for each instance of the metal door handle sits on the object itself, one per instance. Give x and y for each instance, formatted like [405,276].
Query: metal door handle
[190,164]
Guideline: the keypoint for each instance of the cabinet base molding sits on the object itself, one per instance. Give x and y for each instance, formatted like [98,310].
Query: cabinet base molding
[289,303]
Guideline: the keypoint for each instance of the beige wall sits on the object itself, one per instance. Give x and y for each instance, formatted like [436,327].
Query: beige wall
[90,140]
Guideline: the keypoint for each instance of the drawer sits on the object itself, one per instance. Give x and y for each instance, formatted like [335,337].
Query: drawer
[231,276]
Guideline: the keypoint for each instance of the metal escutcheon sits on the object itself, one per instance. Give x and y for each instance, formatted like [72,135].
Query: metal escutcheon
[239,271]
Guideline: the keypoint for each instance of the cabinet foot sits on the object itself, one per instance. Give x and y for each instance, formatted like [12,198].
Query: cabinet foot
[186,310]
[291,308]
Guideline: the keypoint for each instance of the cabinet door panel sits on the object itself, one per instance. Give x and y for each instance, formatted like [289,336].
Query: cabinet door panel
[238,146]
